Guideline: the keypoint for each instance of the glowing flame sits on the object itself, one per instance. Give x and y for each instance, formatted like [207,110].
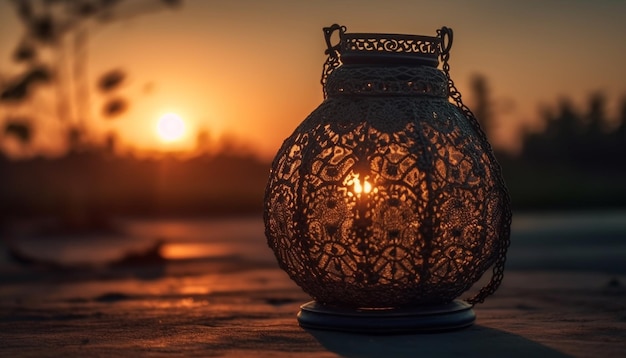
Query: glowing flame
[359,187]
[365,188]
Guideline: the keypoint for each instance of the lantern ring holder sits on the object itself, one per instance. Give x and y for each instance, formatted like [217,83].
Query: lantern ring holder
[445,36]
[332,50]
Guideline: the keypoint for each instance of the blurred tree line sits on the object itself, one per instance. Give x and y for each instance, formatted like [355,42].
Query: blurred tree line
[576,161]
[586,140]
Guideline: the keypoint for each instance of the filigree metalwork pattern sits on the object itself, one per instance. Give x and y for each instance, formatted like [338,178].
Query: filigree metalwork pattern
[386,198]
[389,43]
[376,80]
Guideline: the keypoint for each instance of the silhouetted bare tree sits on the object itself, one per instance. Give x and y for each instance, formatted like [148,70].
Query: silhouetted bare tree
[53,51]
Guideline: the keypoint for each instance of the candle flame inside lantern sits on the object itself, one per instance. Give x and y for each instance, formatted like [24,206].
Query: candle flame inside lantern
[365,188]
[358,186]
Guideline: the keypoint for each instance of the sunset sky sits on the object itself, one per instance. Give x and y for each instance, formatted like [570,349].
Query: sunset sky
[250,69]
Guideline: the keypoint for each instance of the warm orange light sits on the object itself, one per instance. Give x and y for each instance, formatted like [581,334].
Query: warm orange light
[366,187]
[357,187]
[170,127]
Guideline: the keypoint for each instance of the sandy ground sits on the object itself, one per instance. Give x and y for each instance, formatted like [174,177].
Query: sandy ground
[251,312]
[238,306]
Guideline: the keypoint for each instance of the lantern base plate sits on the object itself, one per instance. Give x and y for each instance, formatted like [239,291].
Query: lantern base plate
[445,317]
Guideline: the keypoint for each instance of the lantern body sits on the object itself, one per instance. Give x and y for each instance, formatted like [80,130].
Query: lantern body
[386,196]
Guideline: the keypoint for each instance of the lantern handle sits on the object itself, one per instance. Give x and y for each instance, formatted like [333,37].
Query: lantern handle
[333,50]
[332,61]
[445,40]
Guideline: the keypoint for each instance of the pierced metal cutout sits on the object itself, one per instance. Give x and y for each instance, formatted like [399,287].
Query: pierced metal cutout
[388,195]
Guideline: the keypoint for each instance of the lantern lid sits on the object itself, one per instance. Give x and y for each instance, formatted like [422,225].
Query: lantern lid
[376,48]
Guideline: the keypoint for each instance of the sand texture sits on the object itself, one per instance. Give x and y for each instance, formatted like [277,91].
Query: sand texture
[243,305]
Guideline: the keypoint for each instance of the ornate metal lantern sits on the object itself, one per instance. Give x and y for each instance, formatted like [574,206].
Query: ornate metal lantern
[387,202]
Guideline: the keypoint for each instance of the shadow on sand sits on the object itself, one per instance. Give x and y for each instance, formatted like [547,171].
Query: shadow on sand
[476,341]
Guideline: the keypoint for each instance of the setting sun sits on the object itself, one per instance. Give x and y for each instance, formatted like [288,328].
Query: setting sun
[170,127]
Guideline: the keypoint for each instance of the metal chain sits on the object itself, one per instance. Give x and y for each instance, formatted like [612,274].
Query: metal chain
[332,61]
[445,34]
[330,64]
